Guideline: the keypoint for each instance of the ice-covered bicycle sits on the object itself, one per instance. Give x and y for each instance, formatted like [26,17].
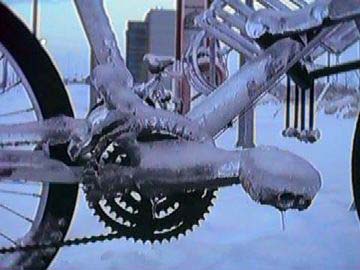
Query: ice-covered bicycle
[156,170]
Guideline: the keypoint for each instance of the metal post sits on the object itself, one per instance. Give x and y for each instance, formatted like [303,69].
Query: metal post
[328,64]
[296,107]
[93,93]
[35,15]
[212,68]
[337,63]
[246,123]
[312,106]
[183,90]
[303,108]
[288,100]
[3,82]
[212,47]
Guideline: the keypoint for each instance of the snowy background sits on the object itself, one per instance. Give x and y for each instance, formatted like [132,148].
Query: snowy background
[237,233]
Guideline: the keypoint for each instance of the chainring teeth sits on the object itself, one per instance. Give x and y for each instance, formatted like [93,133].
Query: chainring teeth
[134,231]
[133,215]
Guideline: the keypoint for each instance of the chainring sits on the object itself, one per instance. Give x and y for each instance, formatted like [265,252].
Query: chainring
[135,215]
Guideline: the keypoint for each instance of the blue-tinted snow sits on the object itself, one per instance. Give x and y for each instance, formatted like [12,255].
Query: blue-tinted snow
[241,234]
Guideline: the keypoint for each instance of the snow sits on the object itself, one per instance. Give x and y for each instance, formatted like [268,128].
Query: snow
[240,233]
[284,21]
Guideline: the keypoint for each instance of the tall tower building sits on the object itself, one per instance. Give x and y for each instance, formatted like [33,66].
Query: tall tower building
[155,35]
[161,25]
[137,40]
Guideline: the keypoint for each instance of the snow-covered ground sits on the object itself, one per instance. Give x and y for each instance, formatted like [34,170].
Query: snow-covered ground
[241,234]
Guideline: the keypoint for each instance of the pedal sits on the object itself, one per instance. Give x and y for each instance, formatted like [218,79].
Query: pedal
[278,178]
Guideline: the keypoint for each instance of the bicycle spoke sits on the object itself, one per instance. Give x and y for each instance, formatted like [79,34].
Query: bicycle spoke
[17,112]
[8,238]
[10,87]
[5,191]
[4,74]
[15,213]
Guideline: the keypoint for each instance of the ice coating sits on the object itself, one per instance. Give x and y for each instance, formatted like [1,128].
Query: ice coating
[34,166]
[282,22]
[270,175]
[242,88]
[102,39]
[279,178]
[55,130]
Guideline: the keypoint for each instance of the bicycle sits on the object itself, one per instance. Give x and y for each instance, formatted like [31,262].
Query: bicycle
[122,153]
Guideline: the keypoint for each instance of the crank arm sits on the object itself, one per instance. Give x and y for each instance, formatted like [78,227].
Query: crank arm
[268,174]
[37,167]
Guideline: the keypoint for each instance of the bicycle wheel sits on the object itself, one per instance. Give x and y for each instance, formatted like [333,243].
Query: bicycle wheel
[28,78]
[355,166]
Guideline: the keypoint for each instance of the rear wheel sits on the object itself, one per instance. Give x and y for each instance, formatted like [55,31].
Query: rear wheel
[30,90]
[355,166]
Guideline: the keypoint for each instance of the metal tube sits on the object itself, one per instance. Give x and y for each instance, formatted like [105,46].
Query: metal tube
[200,165]
[311,106]
[328,64]
[102,39]
[179,15]
[303,108]
[212,69]
[288,96]
[93,92]
[274,4]
[243,88]
[296,107]
[35,17]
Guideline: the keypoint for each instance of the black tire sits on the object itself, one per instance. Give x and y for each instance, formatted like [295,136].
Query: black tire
[355,166]
[53,100]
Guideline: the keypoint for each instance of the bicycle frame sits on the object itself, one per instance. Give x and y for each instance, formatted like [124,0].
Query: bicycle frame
[198,162]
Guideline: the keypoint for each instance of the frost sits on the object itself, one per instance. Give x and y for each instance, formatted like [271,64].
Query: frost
[33,166]
[279,178]
[311,16]
[56,130]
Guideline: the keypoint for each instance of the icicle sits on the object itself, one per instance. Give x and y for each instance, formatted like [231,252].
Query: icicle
[282,213]
[352,206]
[153,207]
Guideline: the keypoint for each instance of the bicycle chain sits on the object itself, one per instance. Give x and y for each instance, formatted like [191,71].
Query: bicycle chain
[70,242]
[59,244]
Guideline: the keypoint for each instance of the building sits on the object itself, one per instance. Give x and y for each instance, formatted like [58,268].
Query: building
[161,25]
[155,35]
[137,39]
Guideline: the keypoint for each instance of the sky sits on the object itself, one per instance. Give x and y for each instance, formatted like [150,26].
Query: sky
[61,27]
